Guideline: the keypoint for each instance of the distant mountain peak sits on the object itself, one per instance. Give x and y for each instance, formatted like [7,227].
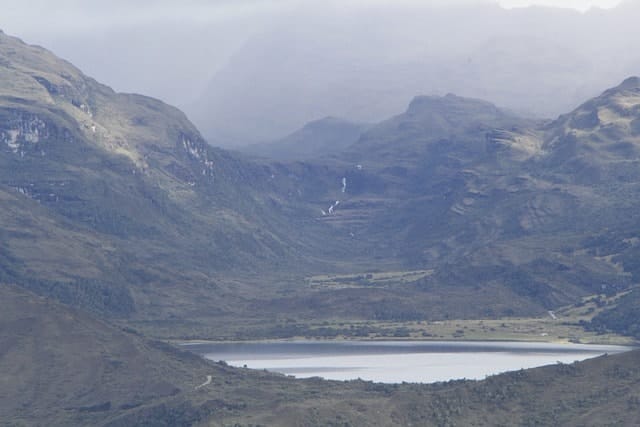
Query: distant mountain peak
[621,96]
[327,121]
[612,105]
[630,83]
[449,102]
[325,136]
[605,129]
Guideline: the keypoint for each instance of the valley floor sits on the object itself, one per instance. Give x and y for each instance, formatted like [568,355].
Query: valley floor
[567,324]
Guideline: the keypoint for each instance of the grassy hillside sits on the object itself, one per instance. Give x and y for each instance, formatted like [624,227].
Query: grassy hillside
[63,367]
[488,203]
[536,212]
[115,203]
[116,191]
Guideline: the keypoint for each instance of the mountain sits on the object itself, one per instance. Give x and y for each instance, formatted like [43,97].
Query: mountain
[116,204]
[538,212]
[598,144]
[62,367]
[318,138]
[429,121]
[355,62]
[594,151]
[117,217]
[112,199]
[599,140]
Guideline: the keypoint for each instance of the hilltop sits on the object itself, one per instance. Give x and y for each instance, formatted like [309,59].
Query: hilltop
[323,137]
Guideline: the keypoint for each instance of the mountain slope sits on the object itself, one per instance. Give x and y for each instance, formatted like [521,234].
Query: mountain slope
[129,181]
[599,145]
[116,204]
[599,140]
[537,212]
[327,136]
[63,367]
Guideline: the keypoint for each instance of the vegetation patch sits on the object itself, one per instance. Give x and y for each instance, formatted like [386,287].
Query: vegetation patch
[387,279]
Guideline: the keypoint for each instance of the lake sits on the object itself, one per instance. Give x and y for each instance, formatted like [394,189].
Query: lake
[396,361]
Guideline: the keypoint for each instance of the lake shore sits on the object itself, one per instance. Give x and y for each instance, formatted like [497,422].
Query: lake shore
[553,331]
[396,361]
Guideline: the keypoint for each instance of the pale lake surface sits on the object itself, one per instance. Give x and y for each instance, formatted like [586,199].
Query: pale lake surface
[397,361]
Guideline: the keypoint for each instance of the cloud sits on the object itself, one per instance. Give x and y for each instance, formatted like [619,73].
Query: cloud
[69,16]
[582,5]
[149,46]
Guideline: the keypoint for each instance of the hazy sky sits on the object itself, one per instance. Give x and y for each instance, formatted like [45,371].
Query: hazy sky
[228,22]
[581,5]
[171,49]
[41,17]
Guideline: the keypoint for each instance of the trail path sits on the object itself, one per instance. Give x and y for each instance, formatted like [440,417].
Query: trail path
[206,383]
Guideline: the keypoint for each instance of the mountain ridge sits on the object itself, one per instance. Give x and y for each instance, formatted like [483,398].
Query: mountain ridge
[323,137]
[173,235]
[130,171]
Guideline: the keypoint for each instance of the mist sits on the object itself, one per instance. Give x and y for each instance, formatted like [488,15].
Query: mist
[254,70]
[366,64]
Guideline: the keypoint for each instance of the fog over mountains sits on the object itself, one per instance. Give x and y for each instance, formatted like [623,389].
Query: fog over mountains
[125,200]
[255,71]
[368,63]
[398,211]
